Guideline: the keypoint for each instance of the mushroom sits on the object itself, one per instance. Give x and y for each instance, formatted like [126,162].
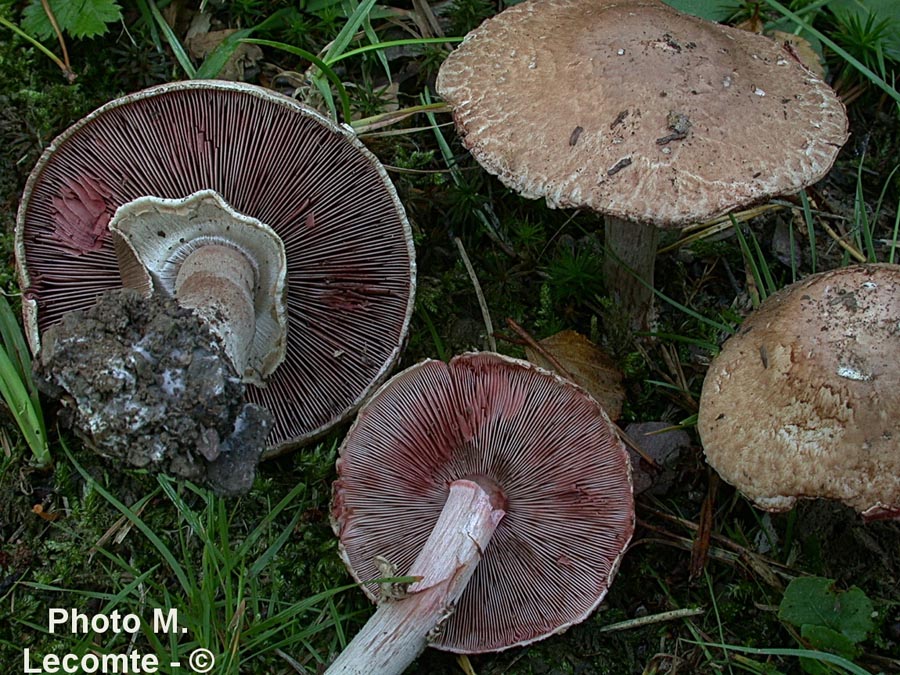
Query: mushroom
[802,401]
[633,110]
[502,486]
[227,267]
[272,222]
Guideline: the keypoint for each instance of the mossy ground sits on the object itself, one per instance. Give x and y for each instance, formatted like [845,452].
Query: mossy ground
[64,544]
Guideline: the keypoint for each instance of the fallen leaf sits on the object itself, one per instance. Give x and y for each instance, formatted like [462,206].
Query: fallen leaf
[245,57]
[587,364]
[802,49]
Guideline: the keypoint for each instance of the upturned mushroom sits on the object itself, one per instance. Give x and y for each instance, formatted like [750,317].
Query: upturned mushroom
[501,485]
[275,225]
[633,110]
[802,401]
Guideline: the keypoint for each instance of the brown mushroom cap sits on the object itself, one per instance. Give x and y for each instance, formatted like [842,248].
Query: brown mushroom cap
[803,401]
[637,111]
[350,259]
[540,441]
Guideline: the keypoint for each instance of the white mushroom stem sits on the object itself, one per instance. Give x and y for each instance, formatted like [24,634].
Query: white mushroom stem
[226,266]
[630,256]
[217,281]
[398,631]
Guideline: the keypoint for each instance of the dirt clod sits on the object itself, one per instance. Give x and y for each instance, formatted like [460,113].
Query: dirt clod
[144,380]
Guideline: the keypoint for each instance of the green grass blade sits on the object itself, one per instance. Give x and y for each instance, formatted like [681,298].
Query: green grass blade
[212,65]
[158,544]
[321,65]
[895,240]
[439,346]
[147,17]
[870,75]
[16,347]
[862,224]
[725,328]
[390,43]
[349,30]
[25,36]
[750,261]
[810,229]
[263,561]
[665,298]
[19,389]
[827,657]
[793,248]
[374,39]
[257,532]
[27,417]
[764,268]
[177,48]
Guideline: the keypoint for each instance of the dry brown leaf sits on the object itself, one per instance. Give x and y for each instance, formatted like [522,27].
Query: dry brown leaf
[802,50]
[244,57]
[587,364]
[752,25]
[800,46]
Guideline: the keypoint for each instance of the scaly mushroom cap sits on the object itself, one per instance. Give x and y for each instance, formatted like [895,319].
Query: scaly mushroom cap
[540,441]
[350,259]
[803,401]
[637,111]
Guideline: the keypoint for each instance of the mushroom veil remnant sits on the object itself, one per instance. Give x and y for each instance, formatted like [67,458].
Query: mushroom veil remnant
[803,401]
[502,485]
[635,111]
[275,225]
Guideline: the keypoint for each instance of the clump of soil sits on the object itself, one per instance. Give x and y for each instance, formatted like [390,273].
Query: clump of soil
[146,381]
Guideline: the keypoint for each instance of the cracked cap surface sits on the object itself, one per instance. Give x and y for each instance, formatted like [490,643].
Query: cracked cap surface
[803,400]
[635,110]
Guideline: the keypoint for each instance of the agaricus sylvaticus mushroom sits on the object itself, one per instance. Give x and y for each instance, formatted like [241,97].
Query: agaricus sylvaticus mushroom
[633,110]
[274,223]
[803,401]
[503,486]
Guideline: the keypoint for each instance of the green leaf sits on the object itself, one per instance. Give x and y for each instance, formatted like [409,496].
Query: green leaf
[826,639]
[78,18]
[815,601]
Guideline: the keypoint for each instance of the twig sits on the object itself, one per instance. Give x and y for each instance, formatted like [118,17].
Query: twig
[631,443]
[700,549]
[485,313]
[653,618]
[852,250]
[536,346]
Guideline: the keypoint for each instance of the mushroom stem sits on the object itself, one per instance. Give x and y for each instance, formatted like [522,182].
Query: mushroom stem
[399,630]
[229,268]
[630,255]
[218,282]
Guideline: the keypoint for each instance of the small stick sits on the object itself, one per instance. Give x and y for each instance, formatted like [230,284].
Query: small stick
[485,313]
[535,345]
[700,549]
[631,443]
[653,618]
[852,250]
